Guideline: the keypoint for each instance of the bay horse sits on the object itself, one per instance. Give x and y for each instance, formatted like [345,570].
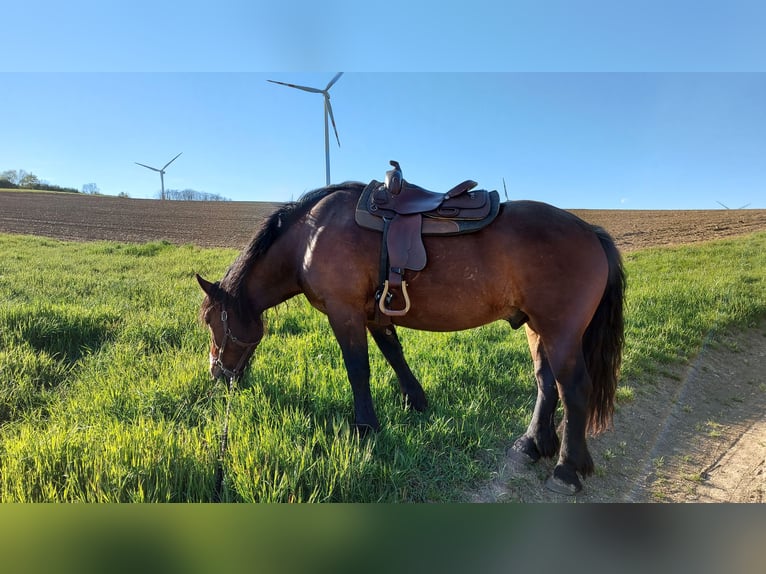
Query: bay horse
[535,266]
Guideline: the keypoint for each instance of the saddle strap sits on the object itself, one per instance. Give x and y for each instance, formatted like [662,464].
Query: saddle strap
[405,244]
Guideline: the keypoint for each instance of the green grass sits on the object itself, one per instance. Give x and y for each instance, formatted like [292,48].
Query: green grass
[104,392]
[679,298]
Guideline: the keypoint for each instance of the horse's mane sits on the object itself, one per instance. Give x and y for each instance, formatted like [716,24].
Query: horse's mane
[273,227]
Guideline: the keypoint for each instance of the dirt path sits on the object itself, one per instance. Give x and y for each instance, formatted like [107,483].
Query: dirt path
[697,435]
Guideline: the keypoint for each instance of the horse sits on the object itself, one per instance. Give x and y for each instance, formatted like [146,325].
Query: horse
[535,266]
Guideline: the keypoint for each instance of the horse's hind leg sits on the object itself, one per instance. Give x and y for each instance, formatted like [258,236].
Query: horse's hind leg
[389,345]
[540,438]
[574,384]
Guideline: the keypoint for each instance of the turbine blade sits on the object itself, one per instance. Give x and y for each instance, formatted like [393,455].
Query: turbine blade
[171,161]
[335,79]
[744,206]
[304,88]
[328,107]
[722,205]
[146,166]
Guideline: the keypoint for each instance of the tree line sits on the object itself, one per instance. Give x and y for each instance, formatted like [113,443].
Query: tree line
[20,179]
[192,195]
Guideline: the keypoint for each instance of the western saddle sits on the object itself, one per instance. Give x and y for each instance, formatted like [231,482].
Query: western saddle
[405,212]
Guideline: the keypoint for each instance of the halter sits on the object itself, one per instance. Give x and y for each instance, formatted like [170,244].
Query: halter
[236,372]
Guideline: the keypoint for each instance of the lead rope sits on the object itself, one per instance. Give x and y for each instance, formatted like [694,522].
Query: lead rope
[380,318]
[224,443]
[233,377]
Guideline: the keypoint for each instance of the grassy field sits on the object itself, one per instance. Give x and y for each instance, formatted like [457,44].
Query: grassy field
[105,396]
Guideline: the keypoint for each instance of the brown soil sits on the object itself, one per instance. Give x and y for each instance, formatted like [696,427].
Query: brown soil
[231,224]
[73,216]
[698,433]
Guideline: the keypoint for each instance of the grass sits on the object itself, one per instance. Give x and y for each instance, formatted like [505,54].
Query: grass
[681,298]
[104,392]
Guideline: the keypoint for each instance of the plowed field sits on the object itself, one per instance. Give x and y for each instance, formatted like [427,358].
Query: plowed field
[231,224]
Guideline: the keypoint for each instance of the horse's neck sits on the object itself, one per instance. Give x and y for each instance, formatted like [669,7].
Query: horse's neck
[273,279]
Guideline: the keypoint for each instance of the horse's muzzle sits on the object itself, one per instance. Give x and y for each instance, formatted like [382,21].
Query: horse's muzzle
[215,369]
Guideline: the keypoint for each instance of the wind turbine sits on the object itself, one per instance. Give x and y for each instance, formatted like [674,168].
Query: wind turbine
[327,112]
[161,172]
[727,207]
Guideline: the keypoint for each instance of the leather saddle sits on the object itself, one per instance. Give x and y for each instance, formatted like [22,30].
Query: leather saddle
[404,212]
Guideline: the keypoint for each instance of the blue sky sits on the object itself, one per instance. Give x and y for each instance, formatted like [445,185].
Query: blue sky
[599,107]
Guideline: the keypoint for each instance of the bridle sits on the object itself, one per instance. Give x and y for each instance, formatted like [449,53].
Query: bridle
[236,372]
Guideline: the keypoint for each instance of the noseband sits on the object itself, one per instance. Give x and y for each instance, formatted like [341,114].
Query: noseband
[236,372]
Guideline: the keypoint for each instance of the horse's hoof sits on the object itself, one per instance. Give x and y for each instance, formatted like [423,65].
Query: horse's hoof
[363,430]
[524,451]
[520,457]
[555,484]
[418,403]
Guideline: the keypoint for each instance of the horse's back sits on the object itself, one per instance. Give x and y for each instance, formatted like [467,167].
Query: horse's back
[532,257]
[546,222]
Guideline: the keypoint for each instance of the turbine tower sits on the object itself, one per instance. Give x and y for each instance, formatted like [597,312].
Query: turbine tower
[161,172]
[327,112]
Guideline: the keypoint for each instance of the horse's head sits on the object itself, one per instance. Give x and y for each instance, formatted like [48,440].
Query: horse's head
[232,339]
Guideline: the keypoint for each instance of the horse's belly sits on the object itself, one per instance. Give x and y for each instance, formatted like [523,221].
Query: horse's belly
[449,315]
[449,297]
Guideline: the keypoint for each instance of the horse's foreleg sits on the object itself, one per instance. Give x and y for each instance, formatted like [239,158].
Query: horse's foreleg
[540,438]
[352,338]
[389,345]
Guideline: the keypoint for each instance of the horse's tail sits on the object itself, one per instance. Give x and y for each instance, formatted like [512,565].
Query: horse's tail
[604,338]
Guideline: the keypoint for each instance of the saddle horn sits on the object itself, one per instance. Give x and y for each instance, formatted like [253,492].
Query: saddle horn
[394,178]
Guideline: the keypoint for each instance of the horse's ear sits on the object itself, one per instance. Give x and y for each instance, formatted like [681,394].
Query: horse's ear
[208,287]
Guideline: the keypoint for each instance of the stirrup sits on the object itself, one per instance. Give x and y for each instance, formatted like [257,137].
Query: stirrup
[394,312]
